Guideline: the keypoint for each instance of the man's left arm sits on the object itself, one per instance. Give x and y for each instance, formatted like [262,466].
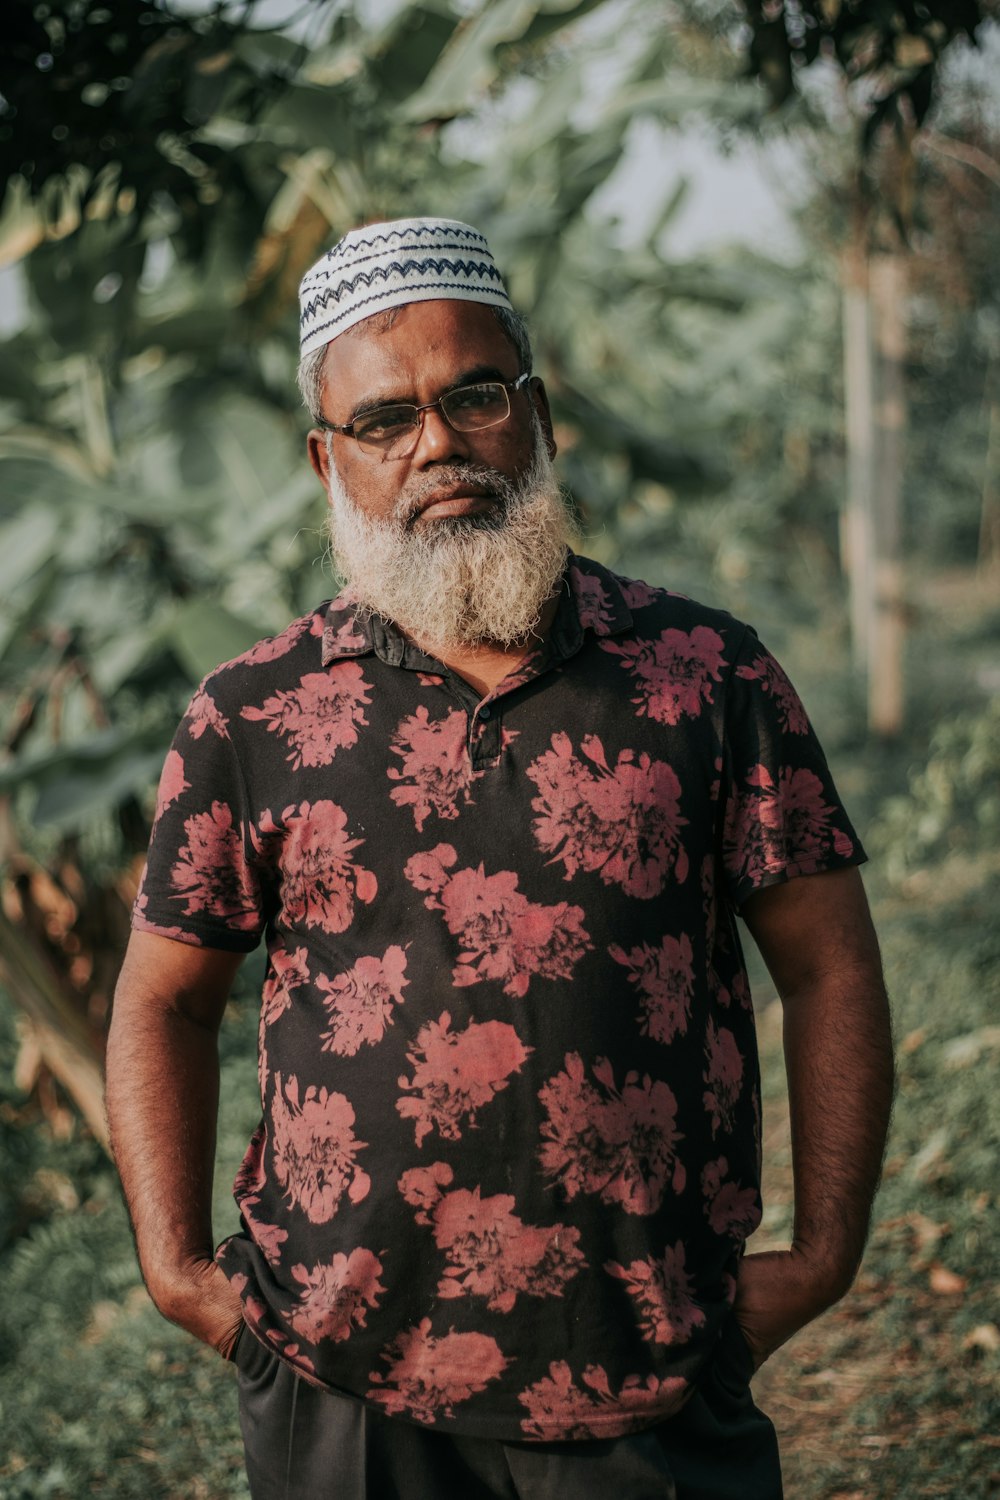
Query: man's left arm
[816,936]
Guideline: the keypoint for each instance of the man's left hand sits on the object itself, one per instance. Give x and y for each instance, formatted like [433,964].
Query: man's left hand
[777,1293]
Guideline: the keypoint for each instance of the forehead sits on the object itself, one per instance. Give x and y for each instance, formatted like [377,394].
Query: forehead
[429,345]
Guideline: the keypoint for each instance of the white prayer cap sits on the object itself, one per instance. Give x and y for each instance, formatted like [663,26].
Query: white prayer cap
[387,265]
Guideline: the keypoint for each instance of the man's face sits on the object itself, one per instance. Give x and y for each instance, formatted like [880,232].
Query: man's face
[431,348]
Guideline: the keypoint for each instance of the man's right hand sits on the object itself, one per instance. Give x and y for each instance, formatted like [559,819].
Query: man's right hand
[162,1097]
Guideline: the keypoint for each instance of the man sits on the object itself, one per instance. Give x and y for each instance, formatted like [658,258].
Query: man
[494,810]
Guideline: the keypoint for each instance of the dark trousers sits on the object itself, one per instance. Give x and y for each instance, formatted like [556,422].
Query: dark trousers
[306,1444]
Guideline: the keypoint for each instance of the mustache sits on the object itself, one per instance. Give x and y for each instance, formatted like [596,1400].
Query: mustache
[423,486]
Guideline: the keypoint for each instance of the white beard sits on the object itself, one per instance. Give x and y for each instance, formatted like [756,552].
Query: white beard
[463,582]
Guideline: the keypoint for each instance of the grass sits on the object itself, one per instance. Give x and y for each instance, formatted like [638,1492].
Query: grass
[893,1393]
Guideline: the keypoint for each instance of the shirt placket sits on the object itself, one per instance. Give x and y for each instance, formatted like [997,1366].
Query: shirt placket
[484,739]
[486,714]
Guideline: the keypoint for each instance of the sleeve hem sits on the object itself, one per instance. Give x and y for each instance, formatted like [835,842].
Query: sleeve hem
[782,874]
[230,942]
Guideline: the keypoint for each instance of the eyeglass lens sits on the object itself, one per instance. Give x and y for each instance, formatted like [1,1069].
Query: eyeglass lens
[390,429]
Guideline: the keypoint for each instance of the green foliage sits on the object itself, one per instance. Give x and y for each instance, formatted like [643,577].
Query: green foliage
[159,514]
[892,49]
[952,806]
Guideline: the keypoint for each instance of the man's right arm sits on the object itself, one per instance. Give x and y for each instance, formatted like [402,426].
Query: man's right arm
[162,1100]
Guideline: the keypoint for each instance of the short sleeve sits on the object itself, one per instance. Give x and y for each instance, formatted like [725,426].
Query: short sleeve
[201,884]
[781,814]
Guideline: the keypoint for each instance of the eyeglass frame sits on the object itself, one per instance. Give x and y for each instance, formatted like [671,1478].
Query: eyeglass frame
[347,428]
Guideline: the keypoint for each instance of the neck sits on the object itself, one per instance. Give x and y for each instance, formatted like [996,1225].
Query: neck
[485,664]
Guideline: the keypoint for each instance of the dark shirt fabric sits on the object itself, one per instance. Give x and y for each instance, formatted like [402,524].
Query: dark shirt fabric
[509,1149]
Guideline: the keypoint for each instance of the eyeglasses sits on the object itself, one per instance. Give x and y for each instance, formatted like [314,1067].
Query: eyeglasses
[393,432]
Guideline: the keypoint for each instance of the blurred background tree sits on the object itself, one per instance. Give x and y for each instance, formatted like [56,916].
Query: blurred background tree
[729,419]
[171,173]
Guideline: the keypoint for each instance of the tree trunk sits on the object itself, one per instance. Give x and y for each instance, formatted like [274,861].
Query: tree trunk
[885,652]
[857,546]
[54,1026]
[989,514]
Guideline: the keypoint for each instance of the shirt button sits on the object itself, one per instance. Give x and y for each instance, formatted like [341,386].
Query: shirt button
[484,713]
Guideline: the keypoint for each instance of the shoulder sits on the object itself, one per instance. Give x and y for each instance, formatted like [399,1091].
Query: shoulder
[648,610]
[274,662]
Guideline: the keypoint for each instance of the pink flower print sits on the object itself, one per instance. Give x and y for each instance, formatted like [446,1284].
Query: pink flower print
[525,671]
[491,1253]
[807,818]
[422,1188]
[733,1211]
[436,773]
[204,713]
[618,1144]
[263,1056]
[335,1297]
[503,935]
[343,641]
[314,1150]
[663,1291]
[623,824]
[740,992]
[172,783]
[674,674]
[595,609]
[773,681]
[638,595]
[320,882]
[430,679]
[252,1174]
[664,977]
[559,1409]
[211,874]
[268,1238]
[286,972]
[276,645]
[289,1350]
[360,1002]
[429,871]
[455,1073]
[142,923]
[723,1076]
[319,717]
[783,827]
[428,1377]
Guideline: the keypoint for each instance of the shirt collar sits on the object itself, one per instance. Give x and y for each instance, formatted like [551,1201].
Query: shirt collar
[343,633]
[591,598]
[597,595]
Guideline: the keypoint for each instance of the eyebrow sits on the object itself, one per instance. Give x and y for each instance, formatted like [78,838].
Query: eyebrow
[376,400]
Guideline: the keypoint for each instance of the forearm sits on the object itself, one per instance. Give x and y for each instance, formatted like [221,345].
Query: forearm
[838,1054]
[818,941]
[162,1097]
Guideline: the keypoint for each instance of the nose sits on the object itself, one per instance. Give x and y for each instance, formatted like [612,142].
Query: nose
[438,442]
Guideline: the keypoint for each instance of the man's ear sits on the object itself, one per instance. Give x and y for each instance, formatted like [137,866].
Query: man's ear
[540,402]
[319,455]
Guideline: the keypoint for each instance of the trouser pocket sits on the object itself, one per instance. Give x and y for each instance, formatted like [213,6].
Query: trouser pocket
[249,1354]
[733,1365]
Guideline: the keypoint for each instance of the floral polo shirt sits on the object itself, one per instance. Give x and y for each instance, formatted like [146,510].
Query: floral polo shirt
[509,1145]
